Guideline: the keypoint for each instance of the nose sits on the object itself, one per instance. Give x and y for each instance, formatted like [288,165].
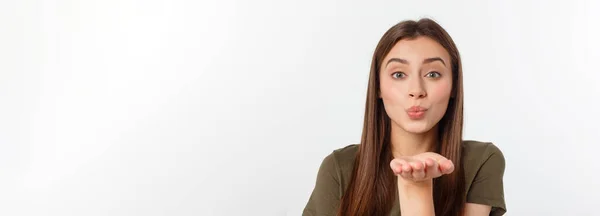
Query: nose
[417,91]
[417,94]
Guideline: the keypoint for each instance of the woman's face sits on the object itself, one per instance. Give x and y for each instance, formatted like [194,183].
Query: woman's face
[416,84]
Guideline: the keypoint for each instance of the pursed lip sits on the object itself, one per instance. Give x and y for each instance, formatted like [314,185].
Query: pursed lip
[416,109]
[416,112]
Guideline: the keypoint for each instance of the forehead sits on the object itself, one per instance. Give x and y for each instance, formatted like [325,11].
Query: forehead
[416,49]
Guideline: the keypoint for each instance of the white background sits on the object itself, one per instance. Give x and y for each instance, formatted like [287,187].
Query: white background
[125,107]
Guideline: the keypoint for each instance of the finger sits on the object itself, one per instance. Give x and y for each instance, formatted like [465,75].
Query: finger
[446,166]
[399,165]
[396,166]
[418,170]
[430,166]
[429,163]
[406,171]
[416,165]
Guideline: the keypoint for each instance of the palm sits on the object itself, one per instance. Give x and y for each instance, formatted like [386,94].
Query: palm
[421,167]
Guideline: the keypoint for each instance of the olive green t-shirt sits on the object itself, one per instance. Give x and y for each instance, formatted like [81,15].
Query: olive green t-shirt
[483,169]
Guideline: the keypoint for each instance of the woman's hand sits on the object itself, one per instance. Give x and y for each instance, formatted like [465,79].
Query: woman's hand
[421,167]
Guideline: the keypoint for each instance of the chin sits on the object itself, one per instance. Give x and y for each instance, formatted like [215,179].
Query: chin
[416,127]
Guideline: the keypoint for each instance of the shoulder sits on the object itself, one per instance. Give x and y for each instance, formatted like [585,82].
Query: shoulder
[346,153]
[346,156]
[478,152]
[341,162]
[482,162]
[484,166]
[332,179]
[478,155]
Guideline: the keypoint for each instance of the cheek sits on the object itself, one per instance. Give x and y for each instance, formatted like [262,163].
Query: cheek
[442,90]
[392,101]
[440,95]
[391,94]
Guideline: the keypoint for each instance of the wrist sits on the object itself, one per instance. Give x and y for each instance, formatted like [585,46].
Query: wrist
[415,197]
[415,184]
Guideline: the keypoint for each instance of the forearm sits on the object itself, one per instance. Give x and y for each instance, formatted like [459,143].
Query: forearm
[416,198]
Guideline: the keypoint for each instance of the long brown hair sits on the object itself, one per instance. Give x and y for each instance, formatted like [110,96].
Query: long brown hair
[372,188]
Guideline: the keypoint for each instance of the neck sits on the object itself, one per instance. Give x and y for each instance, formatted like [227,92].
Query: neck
[408,144]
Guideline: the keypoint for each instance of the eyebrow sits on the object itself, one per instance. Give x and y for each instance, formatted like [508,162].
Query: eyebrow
[427,60]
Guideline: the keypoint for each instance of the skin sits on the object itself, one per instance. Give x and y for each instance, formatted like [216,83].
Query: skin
[417,72]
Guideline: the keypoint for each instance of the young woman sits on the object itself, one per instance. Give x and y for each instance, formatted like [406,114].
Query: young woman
[412,159]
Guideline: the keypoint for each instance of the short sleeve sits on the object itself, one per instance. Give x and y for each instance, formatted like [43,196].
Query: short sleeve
[325,197]
[487,187]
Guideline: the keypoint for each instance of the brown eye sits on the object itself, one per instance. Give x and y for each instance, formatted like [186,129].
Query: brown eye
[398,75]
[433,74]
